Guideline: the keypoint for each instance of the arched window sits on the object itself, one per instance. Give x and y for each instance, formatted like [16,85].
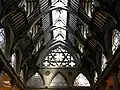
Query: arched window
[58,80]
[81,80]
[35,81]
[59,58]
[2,38]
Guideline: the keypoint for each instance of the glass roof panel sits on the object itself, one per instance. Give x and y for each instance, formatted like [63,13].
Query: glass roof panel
[59,18]
[60,34]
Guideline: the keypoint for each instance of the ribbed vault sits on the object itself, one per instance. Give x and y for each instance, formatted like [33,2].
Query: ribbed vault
[85,30]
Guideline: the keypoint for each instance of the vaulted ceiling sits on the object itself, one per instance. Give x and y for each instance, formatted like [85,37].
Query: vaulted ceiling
[87,30]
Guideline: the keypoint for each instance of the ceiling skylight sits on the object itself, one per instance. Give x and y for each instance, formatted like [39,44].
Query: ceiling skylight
[59,18]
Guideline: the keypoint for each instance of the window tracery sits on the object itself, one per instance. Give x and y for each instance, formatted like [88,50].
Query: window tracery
[59,58]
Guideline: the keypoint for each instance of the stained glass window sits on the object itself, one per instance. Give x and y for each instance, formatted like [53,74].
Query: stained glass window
[58,80]
[81,80]
[35,81]
[59,58]
[115,40]
[2,38]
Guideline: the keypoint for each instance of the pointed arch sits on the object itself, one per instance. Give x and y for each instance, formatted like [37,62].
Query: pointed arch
[35,81]
[48,48]
[58,80]
[81,80]
[43,80]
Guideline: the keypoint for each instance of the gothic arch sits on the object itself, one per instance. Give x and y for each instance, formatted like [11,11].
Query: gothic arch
[35,81]
[42,77]
[63,79]
[81,80]
[54,45]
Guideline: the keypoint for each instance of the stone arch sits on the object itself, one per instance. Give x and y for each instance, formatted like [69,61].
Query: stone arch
[81,80]
[35,81]
[58,80]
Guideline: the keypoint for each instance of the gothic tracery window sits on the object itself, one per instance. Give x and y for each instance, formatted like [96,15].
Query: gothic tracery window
[81,80]
[59,58]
